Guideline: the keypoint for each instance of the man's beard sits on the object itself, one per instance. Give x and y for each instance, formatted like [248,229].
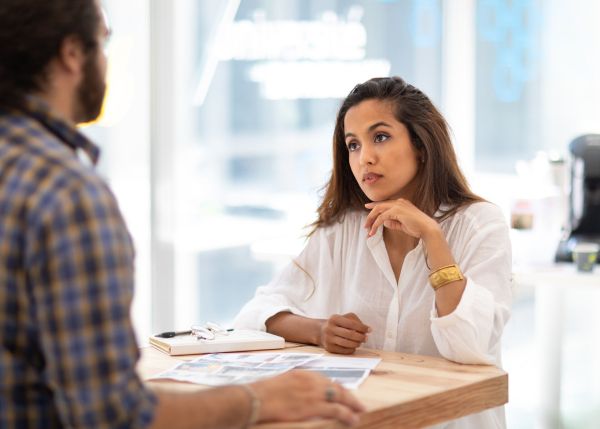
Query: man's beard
[91,90]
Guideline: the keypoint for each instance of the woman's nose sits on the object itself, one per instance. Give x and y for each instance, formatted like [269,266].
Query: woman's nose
[367,155]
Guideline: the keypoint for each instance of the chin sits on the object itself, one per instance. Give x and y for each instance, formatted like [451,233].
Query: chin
[376,197]
[380,200]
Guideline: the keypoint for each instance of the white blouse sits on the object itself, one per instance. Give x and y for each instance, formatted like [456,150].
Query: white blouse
[341,270]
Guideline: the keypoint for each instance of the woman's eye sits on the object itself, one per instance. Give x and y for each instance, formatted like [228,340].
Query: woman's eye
[381,137]
[352,146]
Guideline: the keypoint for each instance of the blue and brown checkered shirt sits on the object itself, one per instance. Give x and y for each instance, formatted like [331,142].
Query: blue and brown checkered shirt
[67,346]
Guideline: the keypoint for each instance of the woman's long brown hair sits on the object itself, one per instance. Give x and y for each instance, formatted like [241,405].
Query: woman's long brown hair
[439,180]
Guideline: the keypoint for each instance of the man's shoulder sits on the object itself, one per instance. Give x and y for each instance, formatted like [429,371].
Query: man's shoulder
[27,140]
[37,160]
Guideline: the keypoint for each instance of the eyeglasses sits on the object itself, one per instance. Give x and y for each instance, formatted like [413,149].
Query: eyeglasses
[208,331]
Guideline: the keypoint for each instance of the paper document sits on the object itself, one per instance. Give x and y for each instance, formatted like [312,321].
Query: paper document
[234,368]
[349,372]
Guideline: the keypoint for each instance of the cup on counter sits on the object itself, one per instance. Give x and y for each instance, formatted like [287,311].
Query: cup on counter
[585,255]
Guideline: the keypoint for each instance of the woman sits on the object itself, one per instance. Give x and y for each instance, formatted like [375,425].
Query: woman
[403,256]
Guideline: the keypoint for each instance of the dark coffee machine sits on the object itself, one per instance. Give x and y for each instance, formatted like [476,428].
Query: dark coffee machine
[584,196]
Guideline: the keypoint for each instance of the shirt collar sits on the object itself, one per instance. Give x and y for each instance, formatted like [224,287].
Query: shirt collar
[66,132]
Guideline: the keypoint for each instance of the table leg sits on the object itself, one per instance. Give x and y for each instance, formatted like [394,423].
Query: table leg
[549,326]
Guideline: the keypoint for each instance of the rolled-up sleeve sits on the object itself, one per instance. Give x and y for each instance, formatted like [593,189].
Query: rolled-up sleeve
[304,287]
[80,260]
[472,332]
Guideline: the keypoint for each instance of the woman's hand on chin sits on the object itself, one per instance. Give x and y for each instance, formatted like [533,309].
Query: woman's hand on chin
[400,215]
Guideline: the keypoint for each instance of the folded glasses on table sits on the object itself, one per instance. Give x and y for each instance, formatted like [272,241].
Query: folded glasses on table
[208,331]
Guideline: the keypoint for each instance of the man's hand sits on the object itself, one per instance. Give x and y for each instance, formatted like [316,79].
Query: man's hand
[301,395]
[343,333]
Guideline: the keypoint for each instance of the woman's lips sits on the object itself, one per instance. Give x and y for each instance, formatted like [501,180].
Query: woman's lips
[371,178]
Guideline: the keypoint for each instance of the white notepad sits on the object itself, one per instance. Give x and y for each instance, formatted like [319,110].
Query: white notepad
[235,341]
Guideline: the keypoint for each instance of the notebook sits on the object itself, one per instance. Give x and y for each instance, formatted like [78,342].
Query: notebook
[235,341]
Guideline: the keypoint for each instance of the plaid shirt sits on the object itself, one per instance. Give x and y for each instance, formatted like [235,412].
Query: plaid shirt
[67,346]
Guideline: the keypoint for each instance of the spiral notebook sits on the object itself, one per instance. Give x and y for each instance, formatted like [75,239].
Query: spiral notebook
[234,341]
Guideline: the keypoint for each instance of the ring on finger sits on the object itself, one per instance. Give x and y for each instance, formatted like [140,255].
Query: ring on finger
[330,394]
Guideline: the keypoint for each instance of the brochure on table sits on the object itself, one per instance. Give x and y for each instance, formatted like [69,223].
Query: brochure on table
[236,368]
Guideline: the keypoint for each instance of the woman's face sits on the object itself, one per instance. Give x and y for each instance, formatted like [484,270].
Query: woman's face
[381,156]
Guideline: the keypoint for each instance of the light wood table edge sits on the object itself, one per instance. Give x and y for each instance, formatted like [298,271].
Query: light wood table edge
[417,413]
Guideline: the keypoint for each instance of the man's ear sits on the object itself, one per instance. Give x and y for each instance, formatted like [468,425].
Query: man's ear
[71,55]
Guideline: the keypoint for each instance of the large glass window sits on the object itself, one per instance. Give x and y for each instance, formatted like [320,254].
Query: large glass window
[217,129]
[260,83]
[123,134]
[507,84]
[537,85]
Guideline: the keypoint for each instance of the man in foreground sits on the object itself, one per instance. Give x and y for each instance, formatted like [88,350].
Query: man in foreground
[67,347]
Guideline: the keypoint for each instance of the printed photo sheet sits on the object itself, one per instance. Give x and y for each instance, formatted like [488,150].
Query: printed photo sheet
[220,369]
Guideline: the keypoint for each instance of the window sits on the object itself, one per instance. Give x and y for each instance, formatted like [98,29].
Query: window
[256,86]
[218,123]
[217,127]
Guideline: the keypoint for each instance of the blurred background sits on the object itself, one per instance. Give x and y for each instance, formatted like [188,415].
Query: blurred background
[216,138]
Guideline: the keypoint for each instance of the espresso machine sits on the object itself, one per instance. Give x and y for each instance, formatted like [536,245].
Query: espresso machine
[583,223]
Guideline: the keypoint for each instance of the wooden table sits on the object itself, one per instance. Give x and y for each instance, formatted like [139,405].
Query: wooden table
[404,391]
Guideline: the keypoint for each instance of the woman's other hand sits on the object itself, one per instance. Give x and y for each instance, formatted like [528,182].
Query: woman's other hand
[343,333]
